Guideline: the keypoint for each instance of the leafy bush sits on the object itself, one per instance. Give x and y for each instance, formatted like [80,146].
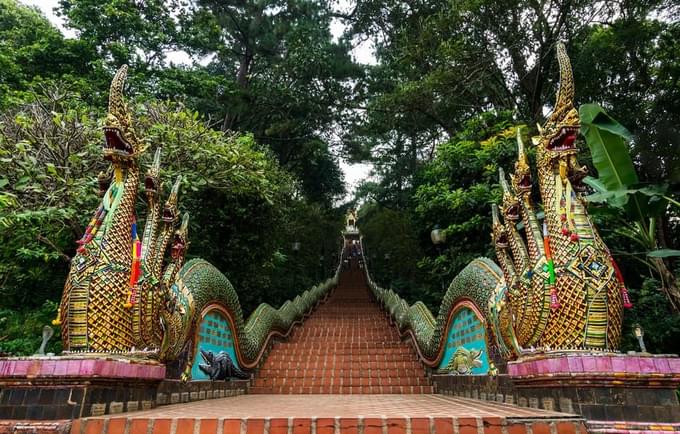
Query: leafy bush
[21,331]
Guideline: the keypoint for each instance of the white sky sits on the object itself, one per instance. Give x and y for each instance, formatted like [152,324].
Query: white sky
[363,53]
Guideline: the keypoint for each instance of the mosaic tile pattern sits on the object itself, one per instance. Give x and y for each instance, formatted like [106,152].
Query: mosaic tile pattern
[215,335]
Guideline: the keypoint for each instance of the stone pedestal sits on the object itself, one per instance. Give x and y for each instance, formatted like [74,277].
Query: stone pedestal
[50,388]
[612,391]
[615,393]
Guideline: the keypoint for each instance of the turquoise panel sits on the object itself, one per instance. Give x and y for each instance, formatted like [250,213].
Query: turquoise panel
[466,337]
[214,334]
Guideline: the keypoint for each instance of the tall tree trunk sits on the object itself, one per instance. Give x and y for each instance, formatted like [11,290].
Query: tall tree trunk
[242,83]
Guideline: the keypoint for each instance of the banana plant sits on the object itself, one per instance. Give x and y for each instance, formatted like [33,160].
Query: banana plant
[618,186]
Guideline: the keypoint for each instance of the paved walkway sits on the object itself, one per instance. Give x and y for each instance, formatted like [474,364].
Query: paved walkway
[334,414]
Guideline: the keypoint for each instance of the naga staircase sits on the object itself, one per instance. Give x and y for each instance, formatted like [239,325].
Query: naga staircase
[346,346]
[344,370]
[542,330]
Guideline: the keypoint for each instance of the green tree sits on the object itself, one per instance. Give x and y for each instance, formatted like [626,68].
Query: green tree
[457,189]
[124,31]
[285,79]
[34,53]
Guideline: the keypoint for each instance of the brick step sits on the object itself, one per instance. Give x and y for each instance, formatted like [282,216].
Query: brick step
[343,353]
[331,376]
[325,332]
[342,390]
[368,319]
[315,347]
[352,342]
[345,356]
[347,360]
[345,338]
[416,372]
[336,425]
[320,333]
[386,370]
[327,383]
[347,346]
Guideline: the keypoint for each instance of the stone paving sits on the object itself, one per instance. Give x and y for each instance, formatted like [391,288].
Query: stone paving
[276,406]
[335,414]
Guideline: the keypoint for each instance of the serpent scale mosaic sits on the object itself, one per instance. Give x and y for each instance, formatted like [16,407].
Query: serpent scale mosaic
[557,288]
[118,298]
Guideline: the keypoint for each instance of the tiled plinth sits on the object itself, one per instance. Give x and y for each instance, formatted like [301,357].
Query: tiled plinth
[644,370]
[52,388]
[49,388]
[614,392]
[79,367]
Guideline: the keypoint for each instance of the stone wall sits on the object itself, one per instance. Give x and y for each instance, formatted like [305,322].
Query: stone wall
[595,403]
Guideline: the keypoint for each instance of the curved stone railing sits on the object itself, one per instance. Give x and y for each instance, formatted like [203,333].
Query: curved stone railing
[252,336]
[471,288]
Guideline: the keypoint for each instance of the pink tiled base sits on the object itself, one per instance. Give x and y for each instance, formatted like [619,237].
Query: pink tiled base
[626,427]
[591,363]
[72,367]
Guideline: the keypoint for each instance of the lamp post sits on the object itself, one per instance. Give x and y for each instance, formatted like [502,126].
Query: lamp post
[321,267]
[387,269]
[639,333]
[438,237]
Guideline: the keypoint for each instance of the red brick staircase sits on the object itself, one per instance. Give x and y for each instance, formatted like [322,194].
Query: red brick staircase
[347,346]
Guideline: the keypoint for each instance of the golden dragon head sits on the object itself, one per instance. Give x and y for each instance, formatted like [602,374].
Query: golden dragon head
[170,208]
[499,234]
[152,181]
[558,135]
[521,179]
[510,201]
[121,146]
[180,240]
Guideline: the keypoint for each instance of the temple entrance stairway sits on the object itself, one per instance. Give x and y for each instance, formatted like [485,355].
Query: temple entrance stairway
[347,346]
[343,371]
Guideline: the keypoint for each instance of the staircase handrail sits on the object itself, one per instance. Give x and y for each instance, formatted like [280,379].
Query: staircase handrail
[472,286]
[266,322]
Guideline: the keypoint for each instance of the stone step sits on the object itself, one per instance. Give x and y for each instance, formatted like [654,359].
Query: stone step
[336,425]
[343,390]
[323,373]
[340,381]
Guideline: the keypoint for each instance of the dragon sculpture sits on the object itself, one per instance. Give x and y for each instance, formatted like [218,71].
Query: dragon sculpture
[220,366]
[118,296]
[464,360]
[557,287]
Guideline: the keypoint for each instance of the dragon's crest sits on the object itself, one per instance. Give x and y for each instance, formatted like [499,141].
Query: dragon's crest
[558,135]
[122,145]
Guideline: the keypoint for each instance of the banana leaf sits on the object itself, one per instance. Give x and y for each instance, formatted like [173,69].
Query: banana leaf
[663,253]
[617,182]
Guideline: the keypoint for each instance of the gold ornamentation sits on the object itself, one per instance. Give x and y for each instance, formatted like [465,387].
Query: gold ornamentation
[566,296]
